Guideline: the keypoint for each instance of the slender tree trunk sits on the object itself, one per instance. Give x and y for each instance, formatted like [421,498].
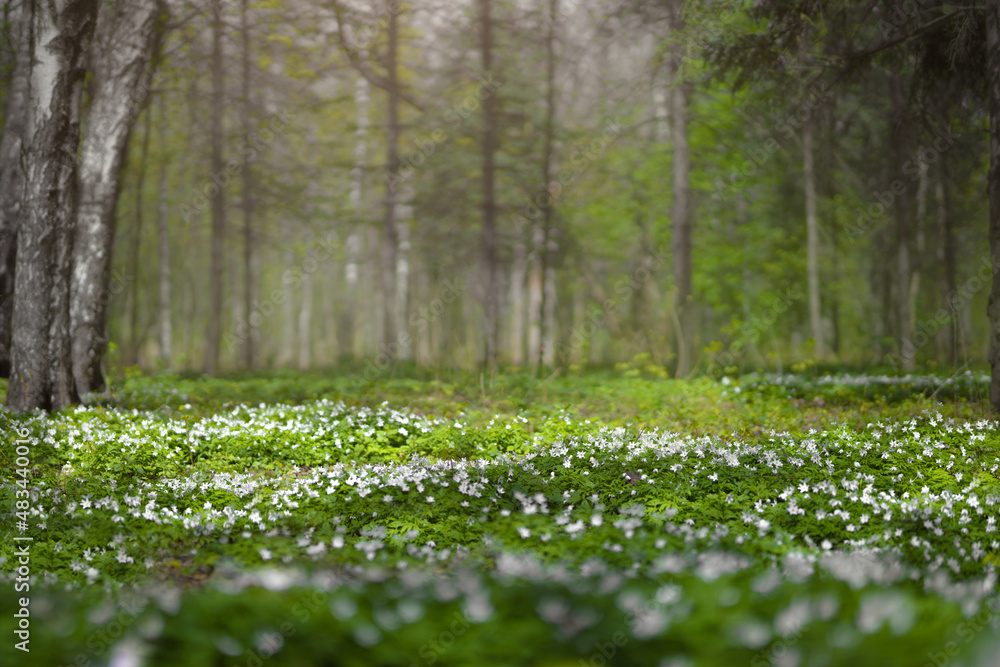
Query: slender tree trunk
[218,201]
[914,291]
[812,242]
[390,238]
[536,281]
[249,343]
[681,241]
[351,272]
[548,255]
[946,256]
[40,352]
[517,274]
[166,331]
[488,148]
[135,248]
[993,76]
[900,149]
[124,48]
[288,303]
[12,176]
[305,311]
[403,218]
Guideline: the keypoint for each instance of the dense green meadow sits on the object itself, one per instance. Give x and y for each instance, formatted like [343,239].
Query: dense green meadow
[608,518]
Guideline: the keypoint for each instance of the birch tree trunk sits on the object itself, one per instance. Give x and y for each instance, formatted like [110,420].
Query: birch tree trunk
[121,62]
[993,85]
[404,216]
[218,199]
[812,242]
[351,272]
[162,218]
[40,352]
[12,176]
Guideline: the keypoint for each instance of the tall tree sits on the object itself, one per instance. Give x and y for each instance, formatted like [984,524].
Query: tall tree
[125,42]
[488,147]
[249,342]
[11,174]
[218,199]
[681,240]
[993,86]
[41,374]
[163,233]
[390,234]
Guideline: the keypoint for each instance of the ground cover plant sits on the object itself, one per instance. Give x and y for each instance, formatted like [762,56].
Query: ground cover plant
[603,518]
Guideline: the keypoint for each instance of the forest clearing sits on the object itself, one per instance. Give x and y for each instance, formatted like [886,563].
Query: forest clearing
[556,333]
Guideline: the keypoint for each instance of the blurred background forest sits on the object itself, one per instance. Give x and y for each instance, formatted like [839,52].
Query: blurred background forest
[681,186]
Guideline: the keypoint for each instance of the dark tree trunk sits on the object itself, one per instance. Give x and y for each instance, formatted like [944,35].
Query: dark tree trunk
[549,247]
[12,178]
[389,232]
[490,301]
[904,224]
[218,199]
[40,353]
[681,241]
[249,346]
[124,43]
[993,74]
[162,219]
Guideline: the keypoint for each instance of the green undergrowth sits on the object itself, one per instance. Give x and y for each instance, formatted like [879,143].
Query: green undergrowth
[602,518]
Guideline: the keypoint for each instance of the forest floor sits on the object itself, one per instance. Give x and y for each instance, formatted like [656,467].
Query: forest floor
[608,518]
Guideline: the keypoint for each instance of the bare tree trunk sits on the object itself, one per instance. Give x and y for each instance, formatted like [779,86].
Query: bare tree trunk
[812,241]
[125,42]
[517,273]
[914,291]
[946,256]
[305,311]
[218,200]
[351,273]
[993,76]
[166,330]
[40,352]
[900,146]
[288,302]
[249,347]
[390,238]
[403,217]
[536,282]
[12,176]
[489,242]
[681,241]
[547,352]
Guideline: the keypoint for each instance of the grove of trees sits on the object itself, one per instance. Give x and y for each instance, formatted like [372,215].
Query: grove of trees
[686,187]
